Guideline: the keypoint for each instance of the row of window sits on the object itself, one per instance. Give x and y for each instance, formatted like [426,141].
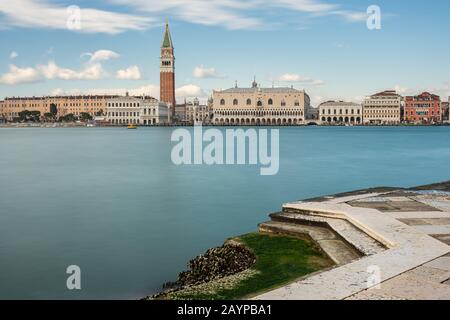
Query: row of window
[346,111]
[379,102]
[258,113]
[381,115]
[422,113]
[131,121]
[259,102]
[257,121]
[123,104]
[131,114]
[378,111]
[123,114]
[422,105]
[16,114]
[34,105]
[342,119]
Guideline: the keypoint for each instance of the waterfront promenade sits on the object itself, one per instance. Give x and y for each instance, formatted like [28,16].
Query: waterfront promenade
[410,226]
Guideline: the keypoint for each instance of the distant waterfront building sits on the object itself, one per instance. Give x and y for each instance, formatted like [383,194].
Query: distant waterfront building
[424,108]
[136,110]
[196,112]
[312,113]
[2,116]
[340,112]
[76,105]
[167,71]
[445,111]
[260,106]
[383,108]
[180,113]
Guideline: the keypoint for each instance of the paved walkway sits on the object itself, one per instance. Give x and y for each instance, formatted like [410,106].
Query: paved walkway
[414,229]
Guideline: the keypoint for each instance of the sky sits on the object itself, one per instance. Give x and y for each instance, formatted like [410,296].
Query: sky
[55,47]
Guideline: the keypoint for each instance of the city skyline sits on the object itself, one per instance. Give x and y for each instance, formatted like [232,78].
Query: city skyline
[321,46]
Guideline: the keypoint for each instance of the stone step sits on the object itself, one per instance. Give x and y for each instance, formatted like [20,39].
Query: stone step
[338,251]
[362,242]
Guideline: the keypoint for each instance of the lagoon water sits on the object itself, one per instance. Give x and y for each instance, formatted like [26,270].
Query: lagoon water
[110,200]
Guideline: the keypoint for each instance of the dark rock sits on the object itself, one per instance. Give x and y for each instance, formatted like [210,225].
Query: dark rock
[215,263]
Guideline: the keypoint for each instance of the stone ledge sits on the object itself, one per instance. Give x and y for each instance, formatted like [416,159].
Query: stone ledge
[338,251]
[408,248]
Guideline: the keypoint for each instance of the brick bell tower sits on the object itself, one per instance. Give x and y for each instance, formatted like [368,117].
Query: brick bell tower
[167,72]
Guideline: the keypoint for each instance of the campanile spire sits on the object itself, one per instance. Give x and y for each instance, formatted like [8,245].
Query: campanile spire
[167,70]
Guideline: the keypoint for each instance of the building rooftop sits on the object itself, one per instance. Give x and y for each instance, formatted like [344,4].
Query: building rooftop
[386,93]
[264,90]
[424,96]
[339,103]
[133,98]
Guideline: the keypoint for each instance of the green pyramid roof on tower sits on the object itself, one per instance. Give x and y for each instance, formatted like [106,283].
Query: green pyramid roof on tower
[167,41]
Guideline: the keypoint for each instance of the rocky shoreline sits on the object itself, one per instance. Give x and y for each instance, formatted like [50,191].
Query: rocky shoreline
[214,265]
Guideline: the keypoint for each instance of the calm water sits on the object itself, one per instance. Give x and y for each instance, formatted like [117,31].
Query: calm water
[110,201]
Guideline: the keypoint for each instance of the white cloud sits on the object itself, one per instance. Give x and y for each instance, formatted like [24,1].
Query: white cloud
[13,55]
[305,5]
[101,55]
[289,77]
[90,72]
[45,14]
[228,13]
[150,90]
[400,89]
[351,15]
[231,14]
[316,83]
[203,72]
[131,73]
[189,91]
[296,78]
[316,100]
[18,75]
[56,92]
[236,14]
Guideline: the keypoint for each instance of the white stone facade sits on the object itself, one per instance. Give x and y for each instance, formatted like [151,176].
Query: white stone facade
[260,106]
[136,110]
[383,108]
[340,113]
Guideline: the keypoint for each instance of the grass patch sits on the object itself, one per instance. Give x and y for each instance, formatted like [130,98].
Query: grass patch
[280,260]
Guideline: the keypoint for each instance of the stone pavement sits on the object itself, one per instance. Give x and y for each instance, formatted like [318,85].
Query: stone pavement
[403,236]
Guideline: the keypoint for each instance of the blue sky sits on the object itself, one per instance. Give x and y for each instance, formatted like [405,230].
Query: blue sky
[323,46]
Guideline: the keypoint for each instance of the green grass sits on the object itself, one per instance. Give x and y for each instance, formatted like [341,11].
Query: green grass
[280,260]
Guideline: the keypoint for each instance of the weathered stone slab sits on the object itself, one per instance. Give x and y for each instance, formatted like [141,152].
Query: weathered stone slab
[442,263]
[394,206]
[409,249]
[420,214]
[339,251]
[445,238]
[426,221]
[439,204]
[407,288]
[443,230]
[430,273]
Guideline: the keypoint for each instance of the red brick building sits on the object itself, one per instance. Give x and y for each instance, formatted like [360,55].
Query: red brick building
[424,108]
[167,72]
